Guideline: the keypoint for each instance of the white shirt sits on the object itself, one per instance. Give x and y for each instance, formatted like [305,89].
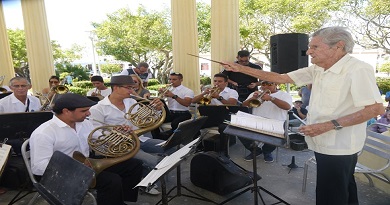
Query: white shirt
[55,135]
[11,104]
[226,93]
[182,92]
[269,110]
[343,89]
[104,93]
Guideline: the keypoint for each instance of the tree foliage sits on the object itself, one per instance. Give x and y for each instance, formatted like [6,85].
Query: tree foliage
[110,68]
[139,37]
[259,20]
[369,22]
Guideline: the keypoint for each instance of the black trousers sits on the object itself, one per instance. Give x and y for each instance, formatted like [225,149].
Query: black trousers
[335,180]
[115,184]
[248,144]
[175,119]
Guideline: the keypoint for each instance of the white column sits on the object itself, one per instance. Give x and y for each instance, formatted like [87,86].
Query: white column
[6,65]
[225,35]
[185,40]
[39,51]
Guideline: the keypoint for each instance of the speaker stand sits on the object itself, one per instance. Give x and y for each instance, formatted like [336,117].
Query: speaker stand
[255,188]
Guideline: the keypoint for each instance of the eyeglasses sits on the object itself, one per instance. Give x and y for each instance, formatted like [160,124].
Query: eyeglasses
[20,86]
[53,82]
[127,87]
[267,84]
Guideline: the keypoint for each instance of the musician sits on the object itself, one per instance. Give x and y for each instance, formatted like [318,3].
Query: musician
[244,84]
[111,110]
[225,95]
[139,89]
[142,70]
[67,132]
[340,106]
[179,99]
[53,81]
[19,100]
[100,89]
[275,106]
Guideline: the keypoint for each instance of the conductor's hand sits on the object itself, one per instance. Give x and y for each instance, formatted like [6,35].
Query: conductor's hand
[315,129]
[229,66]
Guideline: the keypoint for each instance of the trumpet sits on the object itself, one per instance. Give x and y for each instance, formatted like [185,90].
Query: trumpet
[48,104]
[258,101]
[98,94]
[164,90]
[206,99]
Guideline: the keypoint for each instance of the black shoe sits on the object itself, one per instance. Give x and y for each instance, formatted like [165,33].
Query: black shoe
[249,157]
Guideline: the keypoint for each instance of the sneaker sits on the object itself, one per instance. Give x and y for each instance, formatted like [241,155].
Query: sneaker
[249,157]
[268,158]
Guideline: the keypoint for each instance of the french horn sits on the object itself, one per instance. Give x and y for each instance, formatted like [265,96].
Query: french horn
[118,144]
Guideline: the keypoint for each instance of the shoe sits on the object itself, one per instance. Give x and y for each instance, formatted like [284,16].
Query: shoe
[153,190]
[268,158]
[249,157]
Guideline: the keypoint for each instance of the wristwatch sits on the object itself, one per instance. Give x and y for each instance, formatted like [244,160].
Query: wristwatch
[220,98]
[337,126]
[272,99]
[175,96]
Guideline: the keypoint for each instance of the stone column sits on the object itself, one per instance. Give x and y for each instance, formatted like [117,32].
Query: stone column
[39,51]
[225,35]
[6,65]
[185,40]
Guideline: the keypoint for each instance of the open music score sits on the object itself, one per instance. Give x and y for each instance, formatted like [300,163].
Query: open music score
[5,151]
[258,124]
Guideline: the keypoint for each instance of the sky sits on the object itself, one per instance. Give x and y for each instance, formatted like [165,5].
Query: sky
[70,20]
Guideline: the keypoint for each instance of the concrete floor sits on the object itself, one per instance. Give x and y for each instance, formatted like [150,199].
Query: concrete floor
[276,177]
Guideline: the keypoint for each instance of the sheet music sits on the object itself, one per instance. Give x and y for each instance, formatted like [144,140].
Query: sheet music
[166,164]
[5,151]
[258,124]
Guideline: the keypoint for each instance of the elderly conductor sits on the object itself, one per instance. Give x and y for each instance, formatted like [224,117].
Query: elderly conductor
[344,96]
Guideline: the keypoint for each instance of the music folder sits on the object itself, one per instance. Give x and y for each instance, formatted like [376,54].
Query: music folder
[21,125]
[217,114]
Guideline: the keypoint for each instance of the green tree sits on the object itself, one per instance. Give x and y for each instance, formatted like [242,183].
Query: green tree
[17,41]
[138,37]
[369,21]
[204,26]
[77,72]
[110,68]
[385,67]
[259,20]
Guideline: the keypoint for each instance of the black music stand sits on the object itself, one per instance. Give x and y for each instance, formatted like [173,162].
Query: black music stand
[65,181]
[255,136]
[217,114]
[17,127]
[182,135]
[93,98]
[2,95]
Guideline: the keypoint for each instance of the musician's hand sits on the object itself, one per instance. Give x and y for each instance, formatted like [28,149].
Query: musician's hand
[234,83]
[146,95]
[229,66]
[124,128]
[156,103]
[266,97]
[169,94]
[315,129]
[252,85]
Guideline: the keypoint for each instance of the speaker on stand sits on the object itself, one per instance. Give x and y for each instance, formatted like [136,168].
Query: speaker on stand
[288,52]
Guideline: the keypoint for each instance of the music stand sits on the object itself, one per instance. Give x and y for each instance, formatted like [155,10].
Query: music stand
[2,95]
[17,127]
[65,181]
[255,136]
[185,132]
[219,113]
[93,98]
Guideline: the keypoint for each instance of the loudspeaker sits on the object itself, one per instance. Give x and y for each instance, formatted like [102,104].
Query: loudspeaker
[288,52]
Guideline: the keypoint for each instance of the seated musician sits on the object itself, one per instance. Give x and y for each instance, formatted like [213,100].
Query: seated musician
[19,100]
[225,95]
[139,89]
[275,106]
[299,111]
[112,109]
[100,89]
[53,81]
[67,132]
[179,99]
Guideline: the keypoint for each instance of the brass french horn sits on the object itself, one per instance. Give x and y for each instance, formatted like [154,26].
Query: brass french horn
[118,144]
